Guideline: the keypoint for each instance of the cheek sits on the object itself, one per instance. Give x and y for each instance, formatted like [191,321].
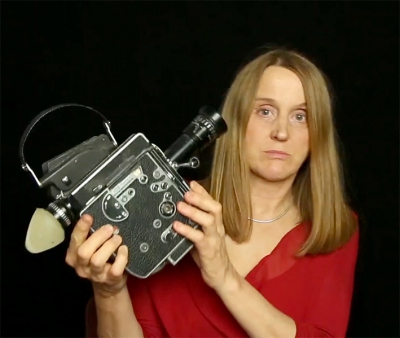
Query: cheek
[255,132]
[252,143]
[303,142]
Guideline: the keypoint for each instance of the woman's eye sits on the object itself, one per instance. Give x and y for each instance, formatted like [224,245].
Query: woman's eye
[300,117]
[265,112]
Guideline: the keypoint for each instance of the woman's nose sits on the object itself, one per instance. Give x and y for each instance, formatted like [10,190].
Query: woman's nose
[280,130]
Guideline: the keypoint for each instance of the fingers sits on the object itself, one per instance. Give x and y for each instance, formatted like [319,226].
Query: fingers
[196,187]
[210,224]
[119,265]
[202,199]
[89,256]
[194,235]
[93,243]
[78,236]
[196,215]
[202,209]
[99,259]
[80,232]
[204,202]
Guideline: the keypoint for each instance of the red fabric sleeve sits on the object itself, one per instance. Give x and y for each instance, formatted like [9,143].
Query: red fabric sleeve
[330,309]
[145,311]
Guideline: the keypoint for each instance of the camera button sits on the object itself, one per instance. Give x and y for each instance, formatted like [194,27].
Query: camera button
[144,247]
[157,223]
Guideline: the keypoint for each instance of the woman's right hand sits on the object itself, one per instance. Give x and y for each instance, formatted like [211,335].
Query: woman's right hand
[89,257]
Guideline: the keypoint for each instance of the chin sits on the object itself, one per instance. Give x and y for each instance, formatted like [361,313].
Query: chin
[273,175]
[276,178]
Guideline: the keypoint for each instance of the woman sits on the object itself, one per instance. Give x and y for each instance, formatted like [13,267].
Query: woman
[278,246]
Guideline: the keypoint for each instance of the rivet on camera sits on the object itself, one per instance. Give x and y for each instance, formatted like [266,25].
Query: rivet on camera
[143,179]
[157,223]
[144,247]
[66,180]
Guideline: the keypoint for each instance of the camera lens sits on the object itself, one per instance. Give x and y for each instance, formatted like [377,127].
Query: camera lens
[206,127]
[209,118]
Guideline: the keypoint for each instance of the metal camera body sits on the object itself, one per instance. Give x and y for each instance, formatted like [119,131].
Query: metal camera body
[134,187]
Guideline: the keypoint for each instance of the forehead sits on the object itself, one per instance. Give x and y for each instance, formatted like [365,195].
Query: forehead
[281,85]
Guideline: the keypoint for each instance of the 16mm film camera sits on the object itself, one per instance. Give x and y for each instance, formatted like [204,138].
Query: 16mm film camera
[134,186]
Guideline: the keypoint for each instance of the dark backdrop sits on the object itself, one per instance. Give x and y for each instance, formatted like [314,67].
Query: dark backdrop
[149,67]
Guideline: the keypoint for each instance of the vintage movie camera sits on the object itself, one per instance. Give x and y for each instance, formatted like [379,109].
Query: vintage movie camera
[134,186]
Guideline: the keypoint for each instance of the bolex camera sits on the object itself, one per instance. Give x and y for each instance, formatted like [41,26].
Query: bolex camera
[134,186]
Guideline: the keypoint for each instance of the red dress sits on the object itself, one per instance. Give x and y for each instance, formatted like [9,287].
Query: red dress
[315,292]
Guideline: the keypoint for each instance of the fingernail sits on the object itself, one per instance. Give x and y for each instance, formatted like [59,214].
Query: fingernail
[107,227]
[86,218]
[116,230]
[123,247]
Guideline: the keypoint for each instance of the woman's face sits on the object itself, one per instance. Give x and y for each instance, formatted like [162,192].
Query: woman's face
[277,140]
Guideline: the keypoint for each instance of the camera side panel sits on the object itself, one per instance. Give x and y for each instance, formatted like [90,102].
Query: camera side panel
[142,204]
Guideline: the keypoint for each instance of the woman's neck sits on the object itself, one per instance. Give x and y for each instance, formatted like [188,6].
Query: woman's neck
[270,199]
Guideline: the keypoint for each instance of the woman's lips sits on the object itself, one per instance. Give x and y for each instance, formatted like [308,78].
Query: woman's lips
[277,154]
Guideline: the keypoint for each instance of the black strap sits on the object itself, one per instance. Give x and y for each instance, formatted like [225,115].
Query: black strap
[43,114]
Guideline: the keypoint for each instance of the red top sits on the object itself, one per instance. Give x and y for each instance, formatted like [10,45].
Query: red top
[315,292]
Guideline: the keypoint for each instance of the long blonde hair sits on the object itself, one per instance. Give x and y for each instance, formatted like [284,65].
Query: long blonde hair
[318,189]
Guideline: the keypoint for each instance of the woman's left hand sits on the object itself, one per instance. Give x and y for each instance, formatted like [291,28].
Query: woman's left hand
[212,255]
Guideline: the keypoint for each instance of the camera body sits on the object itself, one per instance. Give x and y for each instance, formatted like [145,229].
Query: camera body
[135,187]
[141,190]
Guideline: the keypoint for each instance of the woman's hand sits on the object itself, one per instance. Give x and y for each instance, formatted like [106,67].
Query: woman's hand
[211,254]
[89,257]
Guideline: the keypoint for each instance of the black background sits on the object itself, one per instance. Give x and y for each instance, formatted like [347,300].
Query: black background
[149,67]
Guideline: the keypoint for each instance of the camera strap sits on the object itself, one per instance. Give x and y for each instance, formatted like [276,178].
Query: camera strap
[42,114]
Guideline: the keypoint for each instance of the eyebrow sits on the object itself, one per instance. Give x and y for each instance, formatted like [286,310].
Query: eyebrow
[267,99]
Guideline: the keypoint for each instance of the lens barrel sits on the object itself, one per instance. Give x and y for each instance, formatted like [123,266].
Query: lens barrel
[205,128]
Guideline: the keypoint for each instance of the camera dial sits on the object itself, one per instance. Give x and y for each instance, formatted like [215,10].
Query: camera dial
[167,209]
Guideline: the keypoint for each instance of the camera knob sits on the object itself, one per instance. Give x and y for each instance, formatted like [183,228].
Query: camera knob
[60,212]
[167,209]
[168,235]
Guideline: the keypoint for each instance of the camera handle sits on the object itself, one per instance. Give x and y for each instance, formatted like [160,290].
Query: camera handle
[38,117]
